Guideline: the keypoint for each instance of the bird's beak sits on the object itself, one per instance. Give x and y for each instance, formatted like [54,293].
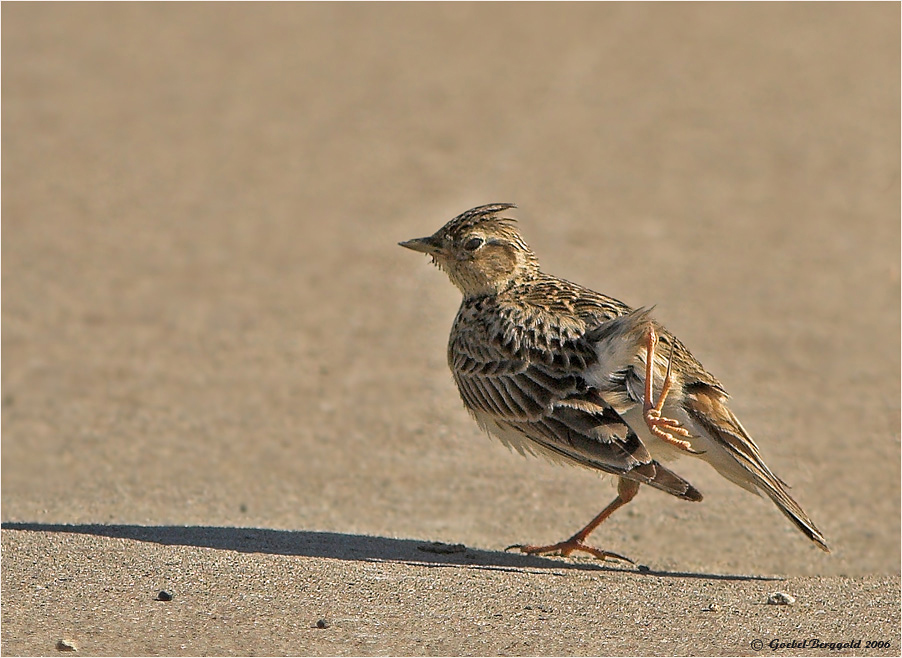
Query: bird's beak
[425,245]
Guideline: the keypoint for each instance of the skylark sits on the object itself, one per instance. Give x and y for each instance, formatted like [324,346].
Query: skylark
[554,369]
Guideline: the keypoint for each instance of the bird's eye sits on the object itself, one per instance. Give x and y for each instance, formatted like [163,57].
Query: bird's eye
[473,244]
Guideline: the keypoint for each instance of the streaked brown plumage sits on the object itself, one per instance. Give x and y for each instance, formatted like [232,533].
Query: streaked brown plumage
[554,369]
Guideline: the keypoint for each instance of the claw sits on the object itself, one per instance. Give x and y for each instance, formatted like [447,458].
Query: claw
[565,548]
[626,490]
[670,438]
[653,417]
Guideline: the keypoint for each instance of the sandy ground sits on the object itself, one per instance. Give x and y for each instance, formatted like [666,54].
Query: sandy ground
[223,379]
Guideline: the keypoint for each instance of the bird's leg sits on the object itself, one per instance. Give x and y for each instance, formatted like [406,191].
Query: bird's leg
[626,490]
[661,427]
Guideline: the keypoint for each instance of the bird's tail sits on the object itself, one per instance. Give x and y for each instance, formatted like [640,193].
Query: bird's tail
[776,491]
[746,468]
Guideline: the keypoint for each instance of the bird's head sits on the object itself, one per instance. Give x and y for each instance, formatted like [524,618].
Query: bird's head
[481,252]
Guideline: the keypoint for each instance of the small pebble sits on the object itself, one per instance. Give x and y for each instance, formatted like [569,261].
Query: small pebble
[322,623]
[164,595]
[781,598]
[711,607]
[66,645]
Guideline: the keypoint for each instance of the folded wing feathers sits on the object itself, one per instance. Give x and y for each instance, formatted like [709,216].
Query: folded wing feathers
[557,411]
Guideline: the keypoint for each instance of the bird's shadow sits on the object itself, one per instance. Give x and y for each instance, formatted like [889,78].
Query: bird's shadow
[342,546]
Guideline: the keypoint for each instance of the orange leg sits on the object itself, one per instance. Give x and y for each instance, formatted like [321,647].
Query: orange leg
[626,490]
[661,427]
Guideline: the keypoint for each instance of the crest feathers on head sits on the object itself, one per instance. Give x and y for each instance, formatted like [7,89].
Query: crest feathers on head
[479,214]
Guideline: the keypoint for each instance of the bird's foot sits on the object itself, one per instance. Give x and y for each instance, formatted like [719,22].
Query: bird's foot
[565,548]
[662,427]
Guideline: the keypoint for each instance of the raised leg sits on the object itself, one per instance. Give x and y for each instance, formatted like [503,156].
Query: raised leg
[626,490]
[661,427]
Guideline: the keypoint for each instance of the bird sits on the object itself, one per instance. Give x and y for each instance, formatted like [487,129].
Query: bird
[554,369]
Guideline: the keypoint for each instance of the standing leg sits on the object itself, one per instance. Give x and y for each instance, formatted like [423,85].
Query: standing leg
[626,491]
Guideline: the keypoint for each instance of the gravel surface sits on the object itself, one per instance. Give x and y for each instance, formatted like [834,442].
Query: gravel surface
[298,593]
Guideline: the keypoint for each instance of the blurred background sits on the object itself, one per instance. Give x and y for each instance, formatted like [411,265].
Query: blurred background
[206,319]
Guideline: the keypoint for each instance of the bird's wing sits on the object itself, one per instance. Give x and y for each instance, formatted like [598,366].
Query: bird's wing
[542,394]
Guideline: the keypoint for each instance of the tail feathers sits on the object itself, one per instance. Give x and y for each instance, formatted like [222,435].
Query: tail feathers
[706,406]
[655,475]
[794,513]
